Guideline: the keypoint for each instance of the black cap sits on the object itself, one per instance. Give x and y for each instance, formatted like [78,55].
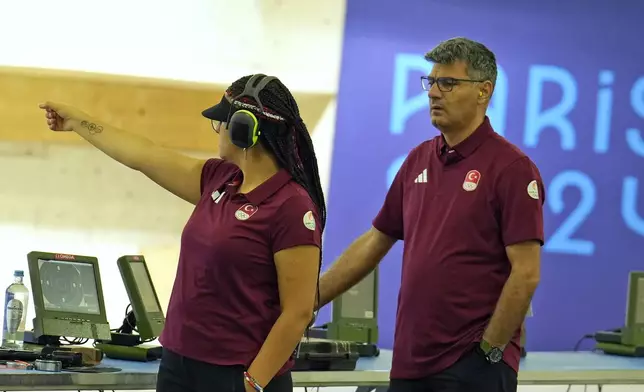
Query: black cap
[219,112]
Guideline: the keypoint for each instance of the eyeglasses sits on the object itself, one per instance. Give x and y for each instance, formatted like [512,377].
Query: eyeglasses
[216,125]
[444,84]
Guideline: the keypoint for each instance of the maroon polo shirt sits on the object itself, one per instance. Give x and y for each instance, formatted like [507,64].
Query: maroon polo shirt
[225,298]
[456,210]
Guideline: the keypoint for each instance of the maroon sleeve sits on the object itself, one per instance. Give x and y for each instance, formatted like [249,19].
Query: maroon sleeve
[521,195]
[215,173]
[296,224]
[390,217]
[209,171]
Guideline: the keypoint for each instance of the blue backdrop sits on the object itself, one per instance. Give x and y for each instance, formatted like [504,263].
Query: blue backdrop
[570,93]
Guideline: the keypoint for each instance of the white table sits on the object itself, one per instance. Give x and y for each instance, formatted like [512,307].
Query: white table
[539,368]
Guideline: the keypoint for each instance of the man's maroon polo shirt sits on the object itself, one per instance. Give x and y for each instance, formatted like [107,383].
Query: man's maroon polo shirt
[456,210]
[225,298]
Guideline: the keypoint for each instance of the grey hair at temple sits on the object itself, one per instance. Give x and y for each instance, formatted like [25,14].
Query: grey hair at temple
[480,61]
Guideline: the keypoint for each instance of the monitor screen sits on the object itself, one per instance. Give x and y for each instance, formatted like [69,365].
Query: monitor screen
[68,286]
[639,302]
[144,285]
[358,302]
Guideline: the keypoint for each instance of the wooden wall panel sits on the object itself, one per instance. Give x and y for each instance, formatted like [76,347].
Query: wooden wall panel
[168,112]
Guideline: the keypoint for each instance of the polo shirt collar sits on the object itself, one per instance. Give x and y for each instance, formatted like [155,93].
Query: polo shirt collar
[264,190]
[467,147]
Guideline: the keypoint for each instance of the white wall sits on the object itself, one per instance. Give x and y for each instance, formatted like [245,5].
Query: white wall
[76,200]
[323,136]
[199,40]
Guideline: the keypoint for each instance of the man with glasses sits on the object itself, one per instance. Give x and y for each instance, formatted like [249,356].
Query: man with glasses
[468,206]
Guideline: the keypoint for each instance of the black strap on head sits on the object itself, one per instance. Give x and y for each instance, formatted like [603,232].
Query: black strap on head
[252,90]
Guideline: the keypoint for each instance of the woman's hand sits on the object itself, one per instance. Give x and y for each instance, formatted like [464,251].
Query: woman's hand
[60,117]
[248,387]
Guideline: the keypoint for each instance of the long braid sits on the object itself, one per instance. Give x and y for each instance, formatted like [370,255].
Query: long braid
[291,145]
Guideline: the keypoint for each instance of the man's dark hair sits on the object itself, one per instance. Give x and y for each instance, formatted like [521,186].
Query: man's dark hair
[481,62]
[288,141]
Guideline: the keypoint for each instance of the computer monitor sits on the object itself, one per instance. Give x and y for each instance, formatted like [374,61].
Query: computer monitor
[633,333]
[68,296]
[355,313]
[629,339]
[143,297]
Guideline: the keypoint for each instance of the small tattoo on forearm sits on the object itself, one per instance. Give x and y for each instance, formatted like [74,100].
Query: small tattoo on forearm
[93,128]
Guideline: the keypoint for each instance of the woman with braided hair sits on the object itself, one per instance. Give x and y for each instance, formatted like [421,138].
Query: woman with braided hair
[250,257]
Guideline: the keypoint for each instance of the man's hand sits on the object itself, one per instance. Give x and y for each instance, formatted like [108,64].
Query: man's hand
[516,297]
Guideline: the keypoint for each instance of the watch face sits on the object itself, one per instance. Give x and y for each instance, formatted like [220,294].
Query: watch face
[495,355]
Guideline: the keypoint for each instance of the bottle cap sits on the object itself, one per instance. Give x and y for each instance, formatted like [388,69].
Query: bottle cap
[18,273]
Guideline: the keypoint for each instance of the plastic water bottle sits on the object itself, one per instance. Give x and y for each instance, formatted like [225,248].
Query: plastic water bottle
[15,313]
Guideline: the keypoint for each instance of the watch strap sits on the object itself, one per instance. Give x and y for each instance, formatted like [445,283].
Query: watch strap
[487,347]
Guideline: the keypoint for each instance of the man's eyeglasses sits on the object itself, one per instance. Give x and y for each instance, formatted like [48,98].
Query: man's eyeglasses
[444,84]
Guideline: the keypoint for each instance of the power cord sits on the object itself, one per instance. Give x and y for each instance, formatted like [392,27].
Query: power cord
[128,326]
[129,322]
[65,341]
[583,339]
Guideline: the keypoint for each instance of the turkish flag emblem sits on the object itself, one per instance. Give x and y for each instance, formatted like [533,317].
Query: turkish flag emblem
[246,211]
[472,179]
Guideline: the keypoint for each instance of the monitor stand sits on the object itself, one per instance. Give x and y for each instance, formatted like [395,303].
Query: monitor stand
[126,345]
[355,313]
[143,352]
[42,340]
[615,342]
[628,340]
[54,327]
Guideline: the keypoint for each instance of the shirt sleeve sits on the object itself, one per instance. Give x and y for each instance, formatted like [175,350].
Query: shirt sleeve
[390,217]
[208,172]
[521,195]
[215,173]
[296,224]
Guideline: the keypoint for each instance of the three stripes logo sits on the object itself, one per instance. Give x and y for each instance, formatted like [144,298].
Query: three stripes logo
[422,177]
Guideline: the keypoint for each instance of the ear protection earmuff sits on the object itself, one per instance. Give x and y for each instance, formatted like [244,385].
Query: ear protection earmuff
[243,125]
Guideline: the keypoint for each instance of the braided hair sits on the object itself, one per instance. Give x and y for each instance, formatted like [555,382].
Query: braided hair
[290,141]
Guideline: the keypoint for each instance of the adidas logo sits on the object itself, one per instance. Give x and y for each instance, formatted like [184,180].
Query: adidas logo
[422,178]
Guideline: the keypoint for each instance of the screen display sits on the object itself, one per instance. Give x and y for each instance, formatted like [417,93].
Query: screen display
[68,287]
[144,285]
[358,301]
[639,307]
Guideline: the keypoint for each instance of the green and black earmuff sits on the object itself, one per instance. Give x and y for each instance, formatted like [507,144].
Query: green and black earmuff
[243,125]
